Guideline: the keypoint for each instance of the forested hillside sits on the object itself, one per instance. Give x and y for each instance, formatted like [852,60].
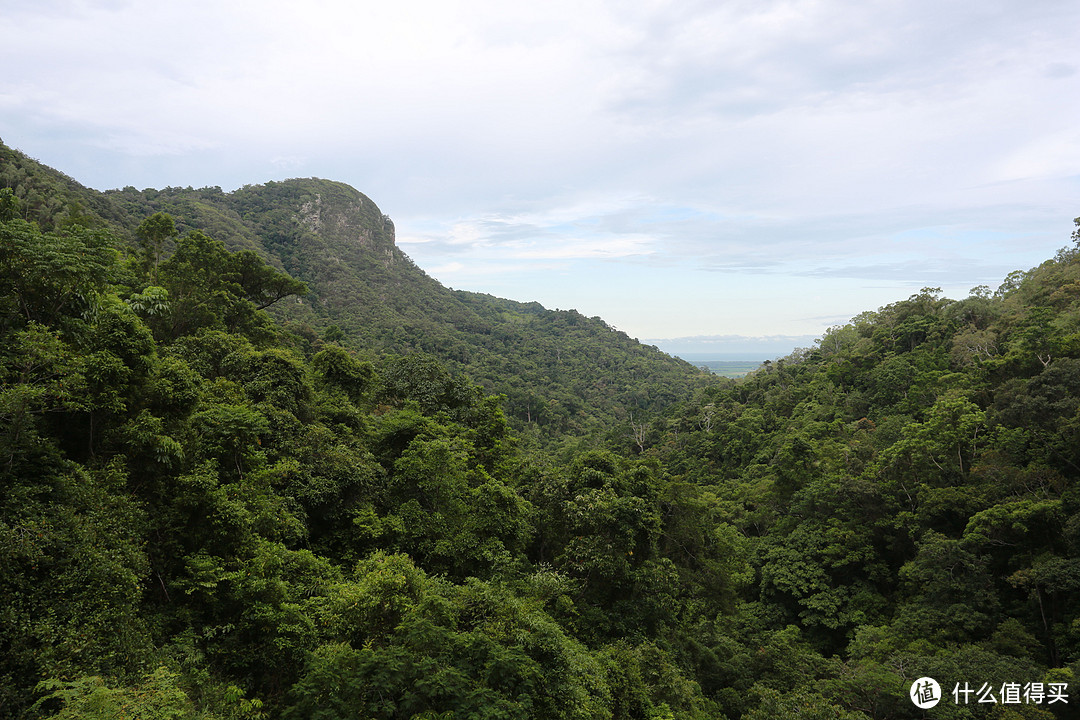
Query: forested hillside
[562,374]
[209,511]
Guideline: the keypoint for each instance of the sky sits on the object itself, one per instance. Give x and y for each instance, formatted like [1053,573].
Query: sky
[726,176]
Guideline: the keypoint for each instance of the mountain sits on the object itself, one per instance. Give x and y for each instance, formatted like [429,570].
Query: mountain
[562,374]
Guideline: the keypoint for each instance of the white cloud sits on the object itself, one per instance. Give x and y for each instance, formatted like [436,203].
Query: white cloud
[585,247]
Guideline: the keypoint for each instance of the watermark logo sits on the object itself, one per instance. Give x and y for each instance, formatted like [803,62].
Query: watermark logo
[925,693]
[1012,693]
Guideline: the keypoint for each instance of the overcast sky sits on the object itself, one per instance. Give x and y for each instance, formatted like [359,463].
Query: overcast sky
[723,168]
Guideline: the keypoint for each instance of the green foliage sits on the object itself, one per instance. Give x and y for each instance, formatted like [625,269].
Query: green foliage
[415,645]
[52,200]
[49,277]
[71,583]
[910,478]
[210,288]
[774,705]
[559,372]
[151,302]
[153,232]
[159,697]
[338,368]
[321,516]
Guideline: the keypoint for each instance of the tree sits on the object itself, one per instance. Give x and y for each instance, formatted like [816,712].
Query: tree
[9,205]
[262,284]
[152,233]
[48,276]
[209,287]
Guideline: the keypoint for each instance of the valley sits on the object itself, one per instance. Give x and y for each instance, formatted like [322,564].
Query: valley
[258,464]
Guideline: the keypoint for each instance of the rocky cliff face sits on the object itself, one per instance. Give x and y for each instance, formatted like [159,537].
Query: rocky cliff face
[345,217]
[338,241]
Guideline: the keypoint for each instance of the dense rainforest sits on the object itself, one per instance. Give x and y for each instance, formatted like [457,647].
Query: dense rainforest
[255,464]
[370,296]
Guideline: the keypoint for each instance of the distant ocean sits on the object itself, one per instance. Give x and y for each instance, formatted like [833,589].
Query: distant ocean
[730,365]
[742,357]
[732,348]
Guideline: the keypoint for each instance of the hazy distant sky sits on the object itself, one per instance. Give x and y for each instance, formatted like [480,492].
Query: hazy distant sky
[745,168]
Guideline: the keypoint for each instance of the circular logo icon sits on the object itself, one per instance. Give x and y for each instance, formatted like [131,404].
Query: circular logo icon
[925,693]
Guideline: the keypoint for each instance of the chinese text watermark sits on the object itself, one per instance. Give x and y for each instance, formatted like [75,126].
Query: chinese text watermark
[925,693]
